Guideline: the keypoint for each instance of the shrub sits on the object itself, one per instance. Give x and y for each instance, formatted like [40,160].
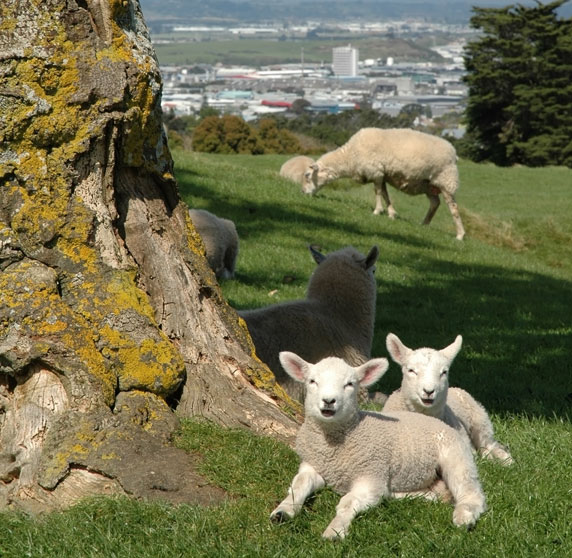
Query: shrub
[226,134]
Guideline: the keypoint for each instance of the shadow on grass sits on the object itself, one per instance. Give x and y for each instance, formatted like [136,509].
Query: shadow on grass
[254,218]
[516,327]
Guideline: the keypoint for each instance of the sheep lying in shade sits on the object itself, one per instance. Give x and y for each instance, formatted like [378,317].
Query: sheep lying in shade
[220,239]
[335,319]
[425,389]
[368,456]
[411,161]
[294,169]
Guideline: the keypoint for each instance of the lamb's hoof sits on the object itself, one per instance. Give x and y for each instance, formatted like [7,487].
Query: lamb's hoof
[464,516]
[278,516]
[500,454]
[460,236]
[334,535]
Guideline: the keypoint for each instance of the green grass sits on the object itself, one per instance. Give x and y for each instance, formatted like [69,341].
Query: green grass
[507,289]
[260,52]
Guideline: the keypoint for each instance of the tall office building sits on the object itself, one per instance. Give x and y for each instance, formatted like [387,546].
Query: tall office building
[345,61]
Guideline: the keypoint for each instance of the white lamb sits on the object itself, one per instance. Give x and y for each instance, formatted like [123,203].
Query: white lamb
[411,161]
[367,456]
[220,239]
[335,319]
[294,169]
[425,389]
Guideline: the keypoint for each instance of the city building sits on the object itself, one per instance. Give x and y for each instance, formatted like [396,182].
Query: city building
[345,61]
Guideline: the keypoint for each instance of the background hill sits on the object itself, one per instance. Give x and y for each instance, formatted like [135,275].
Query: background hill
[235,11]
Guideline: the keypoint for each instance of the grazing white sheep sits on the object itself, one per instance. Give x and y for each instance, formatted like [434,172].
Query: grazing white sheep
[411,161]
[368,456]
[294,169]
[220,239]
[335,319]
[425,389]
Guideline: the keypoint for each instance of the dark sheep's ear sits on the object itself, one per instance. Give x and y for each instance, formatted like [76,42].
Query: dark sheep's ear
[371,258]
[318,256]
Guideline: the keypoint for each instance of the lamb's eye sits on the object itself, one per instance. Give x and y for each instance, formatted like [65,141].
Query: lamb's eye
[412,371]
[444,372]
[313,383]
[349,384]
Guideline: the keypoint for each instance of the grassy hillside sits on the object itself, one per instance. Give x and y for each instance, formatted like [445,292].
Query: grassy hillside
[507,289]
[261,52]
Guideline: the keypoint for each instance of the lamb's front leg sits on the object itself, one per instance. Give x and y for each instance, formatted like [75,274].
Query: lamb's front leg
[364,494]
[306,481]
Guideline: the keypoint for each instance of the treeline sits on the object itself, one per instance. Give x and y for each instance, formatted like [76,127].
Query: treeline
[211,132]
[305,132]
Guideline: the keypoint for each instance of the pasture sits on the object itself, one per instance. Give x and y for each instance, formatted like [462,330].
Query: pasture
[262,52]
[507,288]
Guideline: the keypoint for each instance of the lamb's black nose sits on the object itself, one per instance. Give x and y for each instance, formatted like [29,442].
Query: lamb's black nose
[429,391]
[329,401]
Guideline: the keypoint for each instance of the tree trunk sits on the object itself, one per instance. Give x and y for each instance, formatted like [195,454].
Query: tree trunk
[107,306]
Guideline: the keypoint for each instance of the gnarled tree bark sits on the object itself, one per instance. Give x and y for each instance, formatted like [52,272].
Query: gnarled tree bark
[107,305]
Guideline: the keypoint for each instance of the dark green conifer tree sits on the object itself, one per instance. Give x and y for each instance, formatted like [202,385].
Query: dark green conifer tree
[520,85]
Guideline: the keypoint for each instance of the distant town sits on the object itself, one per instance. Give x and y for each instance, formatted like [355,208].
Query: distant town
[345,82]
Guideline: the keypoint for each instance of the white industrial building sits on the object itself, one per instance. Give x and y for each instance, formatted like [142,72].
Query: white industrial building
[345,61]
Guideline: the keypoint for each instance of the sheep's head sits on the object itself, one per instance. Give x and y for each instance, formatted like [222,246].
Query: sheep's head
[315,176]
[332,385]
[345,271]
[425,374]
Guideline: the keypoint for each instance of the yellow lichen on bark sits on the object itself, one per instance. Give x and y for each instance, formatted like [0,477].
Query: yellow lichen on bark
[59,113]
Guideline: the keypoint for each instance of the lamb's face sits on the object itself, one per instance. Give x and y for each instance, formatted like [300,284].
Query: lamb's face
[332,385]
[331,391]
[425,381]
[425,374]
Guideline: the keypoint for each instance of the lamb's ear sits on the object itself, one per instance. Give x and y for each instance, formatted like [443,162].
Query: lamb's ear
[372,371]
[396,348]
[318,256]
[371,258]
[453,349]
[295,366]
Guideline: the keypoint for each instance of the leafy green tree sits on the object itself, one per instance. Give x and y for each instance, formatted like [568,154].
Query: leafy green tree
[226,134]
[520,85]
[276,140]
[208,135]
[299,105]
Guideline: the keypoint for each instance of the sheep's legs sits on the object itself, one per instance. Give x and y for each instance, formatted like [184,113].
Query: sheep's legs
[304,483]
[381,191]
[450,200]
[434,203]
[363,495]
